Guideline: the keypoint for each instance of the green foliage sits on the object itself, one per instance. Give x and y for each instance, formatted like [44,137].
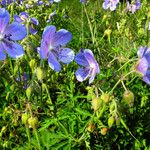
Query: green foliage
[71,115]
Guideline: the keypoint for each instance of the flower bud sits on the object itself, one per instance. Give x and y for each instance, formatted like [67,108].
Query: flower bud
[39,73]
[128,96]
[118,121]
[28,92]
[112,107]
[107,32]
[32,64]
[105,97]
[25,118]
[111,121]
[3,130]
[104,131]
[91,127]
[96,104]
[33,122]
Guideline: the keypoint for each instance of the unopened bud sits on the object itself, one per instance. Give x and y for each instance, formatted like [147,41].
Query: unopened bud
[33,122]
[32,64]
[118,121]
[105,97]
[28,92]
[111,121]
[96,104]
[107,32]
[40,74]
[128,96]
[91,127]
[25,118]
[104,131]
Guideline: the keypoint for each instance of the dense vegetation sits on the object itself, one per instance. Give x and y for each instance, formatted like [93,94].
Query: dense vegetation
[45,108]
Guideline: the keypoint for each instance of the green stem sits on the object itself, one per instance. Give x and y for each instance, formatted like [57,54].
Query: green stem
[122,78]
[28,134]
[90,25]
[37,138]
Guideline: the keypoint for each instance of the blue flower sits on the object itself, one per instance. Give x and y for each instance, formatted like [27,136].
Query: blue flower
[134,6]
[112,4]
[83,1]
[23,79]
[51,47]
[51,1]
[90,67]
[9,34]
[144,63]
[6,2]
[23,17]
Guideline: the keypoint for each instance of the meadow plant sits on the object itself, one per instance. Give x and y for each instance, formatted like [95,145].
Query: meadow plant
[112,4]
[24,18]
[90,68]
[9,34]
[134,6]
[97,100]
[51,47]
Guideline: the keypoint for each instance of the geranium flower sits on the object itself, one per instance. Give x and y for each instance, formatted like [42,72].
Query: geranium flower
[134,6]
[83,1]
[23,79]
[6,2]
[144,63]
[112,4]
[51,47]
[23,17]
[90,67]
[52,1]
[9,34]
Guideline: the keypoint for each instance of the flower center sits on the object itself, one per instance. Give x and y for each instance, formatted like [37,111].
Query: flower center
[92,65]
[1,37]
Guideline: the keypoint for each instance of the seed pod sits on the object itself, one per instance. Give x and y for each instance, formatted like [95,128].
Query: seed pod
[28,92]
[32,64]
[111,121]
[105,97]
[118,121]
[33,122]
[25,118]
[112,107]
[39,73]
[128,96]
[104,131]
[91,127]
[107,32]
[96,104]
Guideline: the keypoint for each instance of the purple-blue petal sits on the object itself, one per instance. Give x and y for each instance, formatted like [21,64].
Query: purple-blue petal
[62,37]
[82,74]
[16,31]
[81,60]
[17,18]
[34,21]
[13,49]
[66,55]
[143,51]
[143,65]
[43,51]
[53,62]
[93,73]
[4,19]
[48,33]
[146,79]
[2,53]
[33,31]
[24,15]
